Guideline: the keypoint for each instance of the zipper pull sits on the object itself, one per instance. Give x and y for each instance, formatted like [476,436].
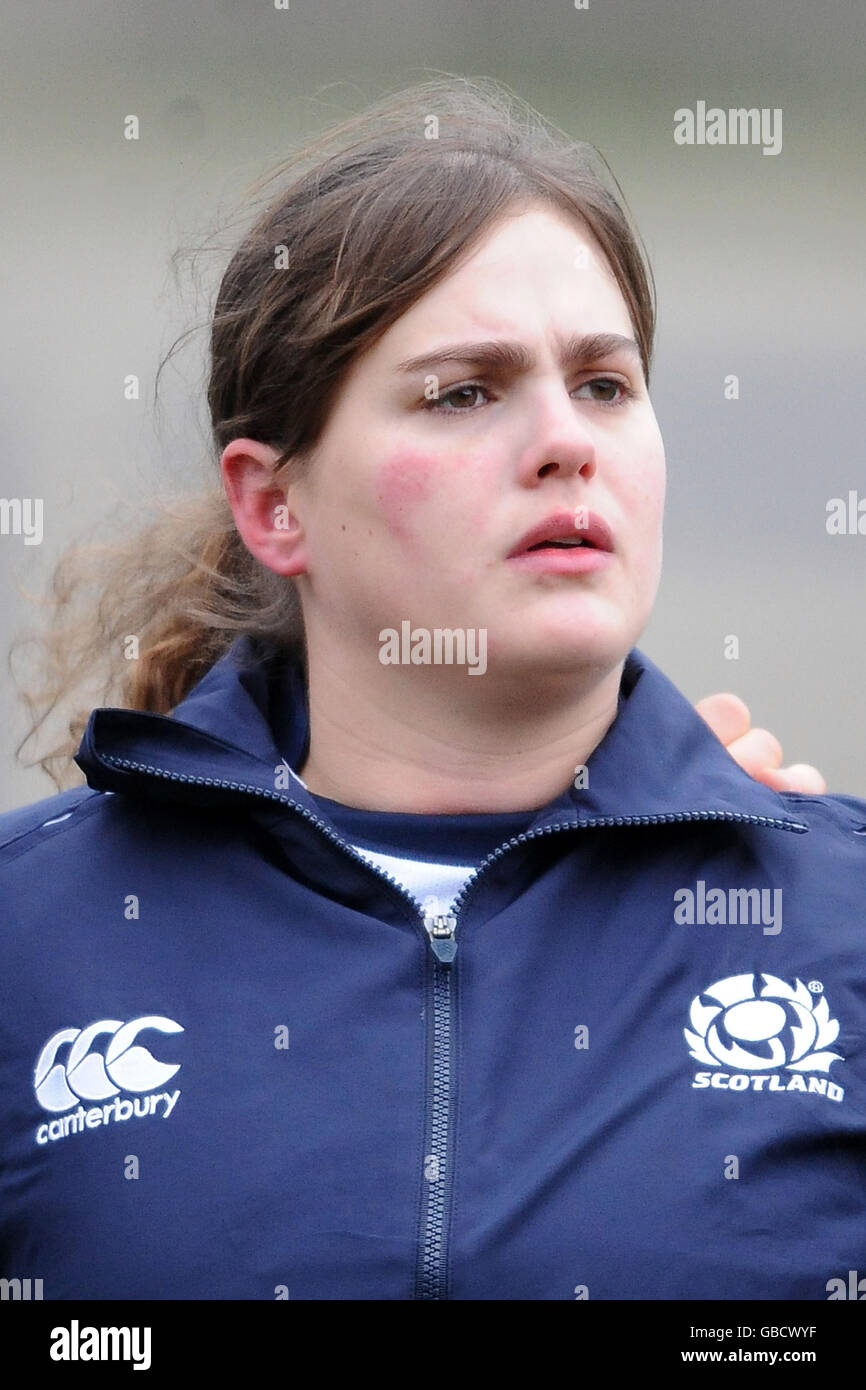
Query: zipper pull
[441,930]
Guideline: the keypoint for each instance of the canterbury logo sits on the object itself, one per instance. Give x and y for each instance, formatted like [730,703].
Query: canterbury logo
[90,1076]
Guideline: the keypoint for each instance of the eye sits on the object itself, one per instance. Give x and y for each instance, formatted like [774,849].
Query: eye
[455,393]
[610,383]
[458,400]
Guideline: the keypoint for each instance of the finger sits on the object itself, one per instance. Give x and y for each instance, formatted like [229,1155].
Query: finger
[799,777]
[727,715]
[756,750]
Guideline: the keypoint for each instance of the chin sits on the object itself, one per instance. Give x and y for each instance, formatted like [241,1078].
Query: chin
[565,649]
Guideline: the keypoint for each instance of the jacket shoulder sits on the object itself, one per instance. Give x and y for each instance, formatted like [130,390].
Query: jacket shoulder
[25,826]
[836,809]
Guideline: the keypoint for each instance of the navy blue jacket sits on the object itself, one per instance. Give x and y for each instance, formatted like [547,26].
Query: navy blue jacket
[237,1062]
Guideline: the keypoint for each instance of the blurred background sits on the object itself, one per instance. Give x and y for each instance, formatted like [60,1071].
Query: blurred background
[112,250]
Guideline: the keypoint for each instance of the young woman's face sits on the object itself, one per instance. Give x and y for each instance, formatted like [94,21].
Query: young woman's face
[413,506]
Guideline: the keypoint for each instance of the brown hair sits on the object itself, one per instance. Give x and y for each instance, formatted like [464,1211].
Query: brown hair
[374,213]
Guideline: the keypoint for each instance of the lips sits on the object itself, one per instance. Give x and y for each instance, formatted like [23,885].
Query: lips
[562,526]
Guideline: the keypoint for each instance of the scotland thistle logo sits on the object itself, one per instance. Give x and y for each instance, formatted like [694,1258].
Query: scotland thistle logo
[756,1024]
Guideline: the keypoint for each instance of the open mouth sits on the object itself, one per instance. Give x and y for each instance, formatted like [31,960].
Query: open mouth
[550,546]
[560,545]
[580,529]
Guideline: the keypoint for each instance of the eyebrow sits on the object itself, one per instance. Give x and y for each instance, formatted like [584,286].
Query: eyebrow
[504,356]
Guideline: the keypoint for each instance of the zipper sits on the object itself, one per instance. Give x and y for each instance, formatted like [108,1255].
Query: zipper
[441,933]
[442,930]
[432,1251]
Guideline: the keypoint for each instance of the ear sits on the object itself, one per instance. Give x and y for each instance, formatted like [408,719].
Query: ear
[268,527]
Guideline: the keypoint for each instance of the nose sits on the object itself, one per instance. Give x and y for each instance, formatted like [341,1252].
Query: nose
[562,441]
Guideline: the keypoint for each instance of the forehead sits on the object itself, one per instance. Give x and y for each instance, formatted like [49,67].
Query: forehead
[533,273]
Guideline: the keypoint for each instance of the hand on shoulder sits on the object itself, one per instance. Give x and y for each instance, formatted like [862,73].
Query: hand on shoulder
[756,750]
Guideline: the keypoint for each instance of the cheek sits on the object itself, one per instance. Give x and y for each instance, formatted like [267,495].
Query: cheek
[404,487]
[641,483]
[422,496]
[429,503]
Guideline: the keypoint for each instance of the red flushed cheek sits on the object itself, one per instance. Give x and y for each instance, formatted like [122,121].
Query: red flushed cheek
[425,499]
[406,485]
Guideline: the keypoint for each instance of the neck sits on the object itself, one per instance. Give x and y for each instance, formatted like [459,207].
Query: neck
[433,740]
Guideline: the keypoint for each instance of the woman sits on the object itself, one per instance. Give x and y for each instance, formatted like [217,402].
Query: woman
[349,974]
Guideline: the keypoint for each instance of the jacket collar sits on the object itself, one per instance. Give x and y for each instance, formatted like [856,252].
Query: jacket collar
[248,718]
